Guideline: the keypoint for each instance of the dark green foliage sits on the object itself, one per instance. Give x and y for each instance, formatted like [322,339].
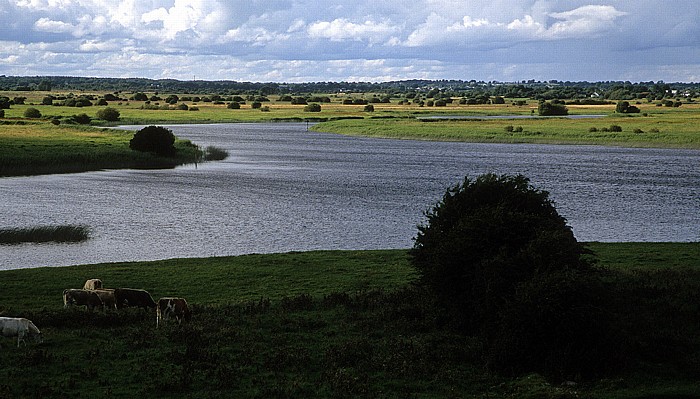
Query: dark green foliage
[108,114]
[498,100]
[66,233]
[48,100]
[615,128]
[490,246]
[256,105]
[369,108]
[550,109]
[4,102]
[2,113]
[139,97]
[83,119]
[233,105]
[155,139]
[624,107]
[32,113]
[312,108]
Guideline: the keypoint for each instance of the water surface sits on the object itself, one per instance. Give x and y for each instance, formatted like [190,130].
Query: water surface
[285,189]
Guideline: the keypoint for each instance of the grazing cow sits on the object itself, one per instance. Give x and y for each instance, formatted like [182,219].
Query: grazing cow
[85,298]
[127,297]
[172,307]
[20,328]
[93,284]
[107,297]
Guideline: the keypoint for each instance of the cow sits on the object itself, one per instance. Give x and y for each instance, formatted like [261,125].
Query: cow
[20,328]
[107,297]
[127,297]
[172,307]
[87,298]
[93,284]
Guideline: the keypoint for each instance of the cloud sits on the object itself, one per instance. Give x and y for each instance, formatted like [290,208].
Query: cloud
[343,29]
[363,39]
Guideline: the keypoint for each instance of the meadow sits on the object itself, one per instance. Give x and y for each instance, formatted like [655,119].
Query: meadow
[328,324]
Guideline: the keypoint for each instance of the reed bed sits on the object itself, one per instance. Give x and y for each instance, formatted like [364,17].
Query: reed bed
[42,234]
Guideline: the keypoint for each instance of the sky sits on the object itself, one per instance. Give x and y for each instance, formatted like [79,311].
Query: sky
[299,41]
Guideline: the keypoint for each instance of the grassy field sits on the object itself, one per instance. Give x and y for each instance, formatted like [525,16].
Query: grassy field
[326,324]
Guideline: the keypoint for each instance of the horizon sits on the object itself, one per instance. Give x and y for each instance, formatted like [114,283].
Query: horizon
[296,41]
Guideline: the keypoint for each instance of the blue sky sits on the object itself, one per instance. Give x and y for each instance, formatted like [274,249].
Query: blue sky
[358,40]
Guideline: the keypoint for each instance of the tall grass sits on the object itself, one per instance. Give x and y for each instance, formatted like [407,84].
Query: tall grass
[39,234]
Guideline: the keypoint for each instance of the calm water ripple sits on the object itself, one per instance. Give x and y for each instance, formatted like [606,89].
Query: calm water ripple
[285,189]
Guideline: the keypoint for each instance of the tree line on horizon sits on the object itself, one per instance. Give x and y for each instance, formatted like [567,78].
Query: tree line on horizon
[539,90]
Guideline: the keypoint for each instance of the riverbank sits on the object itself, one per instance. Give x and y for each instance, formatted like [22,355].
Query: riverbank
[327,323]
[34,148]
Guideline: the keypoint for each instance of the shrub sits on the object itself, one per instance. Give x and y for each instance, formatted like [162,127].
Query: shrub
[509,128]
[182,107]
[108,114]
[593,129]
[369,108]
[83,119]
[48,100]
[624,107]
[551,109]
[154,139]
[312,108]
[615,128]
[503,263]
[2,113]
[32,113]
[256,105]
[233,105]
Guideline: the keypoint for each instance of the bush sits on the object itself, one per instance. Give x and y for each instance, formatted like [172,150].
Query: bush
[2,113]
[83,119]
[615,128]
[369,108]
[155,139]
[624,107]
[551,109]
[256,105]
[233,105]
[108,114]
[32,113]
[504,264]
[312,108]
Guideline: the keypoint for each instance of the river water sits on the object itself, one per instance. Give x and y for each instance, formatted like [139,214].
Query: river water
[285,189]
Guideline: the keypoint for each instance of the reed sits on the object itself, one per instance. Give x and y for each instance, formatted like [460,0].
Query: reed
[39,234]
[212,153]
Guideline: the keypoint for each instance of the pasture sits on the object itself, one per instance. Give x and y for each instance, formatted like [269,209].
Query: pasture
[326,324]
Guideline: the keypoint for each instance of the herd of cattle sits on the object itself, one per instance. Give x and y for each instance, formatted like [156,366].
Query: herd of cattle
[94,296]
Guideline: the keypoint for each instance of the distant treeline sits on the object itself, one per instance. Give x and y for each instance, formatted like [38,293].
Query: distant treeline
[541,90]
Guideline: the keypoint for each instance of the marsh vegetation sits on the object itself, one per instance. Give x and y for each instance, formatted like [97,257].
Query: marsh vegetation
[42,234]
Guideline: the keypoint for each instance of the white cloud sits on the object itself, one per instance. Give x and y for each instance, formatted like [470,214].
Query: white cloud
[299,39]
[342,29]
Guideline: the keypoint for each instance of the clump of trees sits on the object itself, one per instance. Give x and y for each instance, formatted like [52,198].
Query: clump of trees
[546,108]
[154,139]
[505,267]
[108,114]
[624,107]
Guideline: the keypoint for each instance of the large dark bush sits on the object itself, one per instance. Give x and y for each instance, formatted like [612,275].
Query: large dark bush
[155,139]
[497,255]
[108,114]
[550,109]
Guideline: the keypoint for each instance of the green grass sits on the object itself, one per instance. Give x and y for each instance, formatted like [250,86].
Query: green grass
[325,324]
[40,148]
[672,130]
[38,234]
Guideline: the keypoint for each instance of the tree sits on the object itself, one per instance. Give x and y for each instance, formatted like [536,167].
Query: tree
[155,139]
[312,108]
[486,252]
[624,107]
[32,113]
[108,114]
[549,109]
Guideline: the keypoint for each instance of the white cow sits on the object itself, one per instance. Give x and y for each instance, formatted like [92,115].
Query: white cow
[19,327]
[93,284]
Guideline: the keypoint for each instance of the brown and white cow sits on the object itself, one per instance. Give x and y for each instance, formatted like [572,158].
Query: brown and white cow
[93,284]
[87,298]
[127,297]
[107,297]
[20,328]
[172,308]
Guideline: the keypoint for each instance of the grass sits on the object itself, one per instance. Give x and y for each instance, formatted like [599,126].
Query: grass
[40,148]
[658,129]
[325,324]
[39,234]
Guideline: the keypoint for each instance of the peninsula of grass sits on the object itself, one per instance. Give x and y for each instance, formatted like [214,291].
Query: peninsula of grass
[34,148]
[674,129]
[43,234]
[328,324]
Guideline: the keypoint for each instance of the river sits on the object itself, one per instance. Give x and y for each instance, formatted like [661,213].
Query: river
[286,189]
